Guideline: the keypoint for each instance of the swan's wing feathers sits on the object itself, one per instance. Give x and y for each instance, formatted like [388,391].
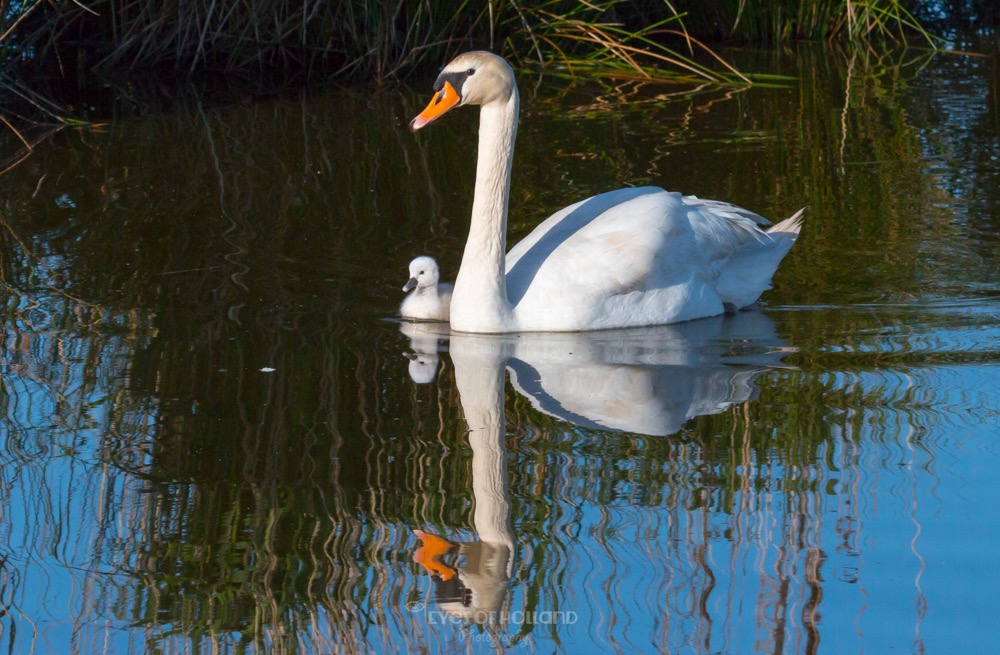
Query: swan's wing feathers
[618,261]
[592,263]
[722,229]
[568,221]
[608,244]
[789,226]
[622,250]
[748,272]
[735,213]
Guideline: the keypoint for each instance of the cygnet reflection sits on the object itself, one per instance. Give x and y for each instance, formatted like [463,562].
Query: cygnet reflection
[426,341]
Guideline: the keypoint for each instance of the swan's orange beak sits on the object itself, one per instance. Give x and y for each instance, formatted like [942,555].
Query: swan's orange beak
[442,101]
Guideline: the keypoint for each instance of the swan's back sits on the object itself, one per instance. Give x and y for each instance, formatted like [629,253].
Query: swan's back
[637,256]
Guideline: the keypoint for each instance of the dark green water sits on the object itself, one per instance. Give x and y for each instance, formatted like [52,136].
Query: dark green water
[213,438]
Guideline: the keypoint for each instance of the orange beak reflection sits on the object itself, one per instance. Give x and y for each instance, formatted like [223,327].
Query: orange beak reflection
[442,101]
[430,553]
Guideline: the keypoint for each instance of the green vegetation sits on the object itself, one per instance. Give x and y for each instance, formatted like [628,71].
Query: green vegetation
[783,20]
[376,40]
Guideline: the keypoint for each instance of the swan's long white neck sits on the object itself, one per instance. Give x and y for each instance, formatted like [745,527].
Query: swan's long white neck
[479,302]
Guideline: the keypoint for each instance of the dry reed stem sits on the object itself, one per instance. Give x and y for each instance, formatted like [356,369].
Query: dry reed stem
[20,18]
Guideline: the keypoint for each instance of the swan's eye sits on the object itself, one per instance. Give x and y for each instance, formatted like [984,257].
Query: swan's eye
[470,72]
[420,273]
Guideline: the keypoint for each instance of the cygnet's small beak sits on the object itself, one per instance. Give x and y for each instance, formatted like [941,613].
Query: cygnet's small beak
[411,283]
[442,101]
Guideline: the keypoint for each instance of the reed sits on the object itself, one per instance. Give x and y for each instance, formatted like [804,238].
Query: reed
[379,40]
[855,21]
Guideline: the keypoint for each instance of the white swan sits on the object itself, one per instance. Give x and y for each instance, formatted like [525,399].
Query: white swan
[429,300]
[629,257]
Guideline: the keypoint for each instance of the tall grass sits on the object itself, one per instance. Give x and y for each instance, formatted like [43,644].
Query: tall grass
[856,21]
[382,39]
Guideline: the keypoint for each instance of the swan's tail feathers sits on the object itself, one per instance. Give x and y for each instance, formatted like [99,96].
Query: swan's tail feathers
[790,226]
[748,273]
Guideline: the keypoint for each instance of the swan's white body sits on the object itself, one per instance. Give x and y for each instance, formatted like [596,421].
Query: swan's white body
[626,258]
[429,300]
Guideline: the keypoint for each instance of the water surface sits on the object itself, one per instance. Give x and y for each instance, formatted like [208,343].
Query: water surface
[214,437]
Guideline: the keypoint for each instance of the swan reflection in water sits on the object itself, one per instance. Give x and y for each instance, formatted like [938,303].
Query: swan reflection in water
[648,381]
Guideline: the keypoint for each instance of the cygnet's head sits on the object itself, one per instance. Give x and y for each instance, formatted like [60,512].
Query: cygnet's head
[423,274]
[423,366]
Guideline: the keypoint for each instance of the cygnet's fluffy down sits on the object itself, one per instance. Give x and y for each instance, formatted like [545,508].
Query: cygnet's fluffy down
[429,300]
